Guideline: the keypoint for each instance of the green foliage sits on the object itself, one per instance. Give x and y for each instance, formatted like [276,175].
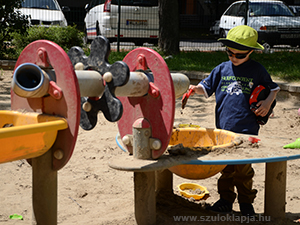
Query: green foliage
[65,37]
[116,56]
[12,21]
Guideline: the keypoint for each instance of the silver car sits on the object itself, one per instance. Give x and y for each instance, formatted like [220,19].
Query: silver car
[139,20]
[273,20]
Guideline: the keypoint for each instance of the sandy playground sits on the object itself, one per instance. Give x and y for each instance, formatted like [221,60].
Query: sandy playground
[90,192]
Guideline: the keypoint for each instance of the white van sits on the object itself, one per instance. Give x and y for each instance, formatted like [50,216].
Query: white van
[44,12]
[139,21]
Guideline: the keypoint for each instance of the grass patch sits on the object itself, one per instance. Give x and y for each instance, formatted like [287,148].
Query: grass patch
[283,65]
[196,61]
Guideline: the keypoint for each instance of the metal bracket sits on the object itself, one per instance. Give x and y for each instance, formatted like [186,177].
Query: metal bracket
[42,58]
[54,90]
[153,90]
[141,63]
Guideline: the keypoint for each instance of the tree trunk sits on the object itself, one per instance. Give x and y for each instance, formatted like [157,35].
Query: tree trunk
[168,26]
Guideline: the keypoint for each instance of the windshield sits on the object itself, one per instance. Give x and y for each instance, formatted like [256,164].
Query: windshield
[40,4]
[269,9]
[137,2]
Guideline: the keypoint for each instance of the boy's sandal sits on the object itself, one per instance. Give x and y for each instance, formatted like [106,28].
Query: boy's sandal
[247,209]
[221,206]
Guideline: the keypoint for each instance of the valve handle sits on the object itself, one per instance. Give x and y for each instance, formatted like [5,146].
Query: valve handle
[109,104]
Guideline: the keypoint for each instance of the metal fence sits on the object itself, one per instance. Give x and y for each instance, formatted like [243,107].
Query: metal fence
[198,27]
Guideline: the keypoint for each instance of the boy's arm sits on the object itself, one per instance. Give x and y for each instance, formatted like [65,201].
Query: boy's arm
[264,105]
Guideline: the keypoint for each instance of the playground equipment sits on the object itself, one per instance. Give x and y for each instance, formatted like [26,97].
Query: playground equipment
[44,87]
[50,99]
[24,127]
[201,138]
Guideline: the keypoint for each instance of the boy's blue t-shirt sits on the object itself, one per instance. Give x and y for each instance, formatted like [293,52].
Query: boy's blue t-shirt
[233,86]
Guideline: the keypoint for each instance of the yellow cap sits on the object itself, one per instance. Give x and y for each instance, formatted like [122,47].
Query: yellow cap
[242,38]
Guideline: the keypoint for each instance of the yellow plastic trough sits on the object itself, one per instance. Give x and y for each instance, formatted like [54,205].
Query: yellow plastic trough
[27,135]
[201,137]
[184,187]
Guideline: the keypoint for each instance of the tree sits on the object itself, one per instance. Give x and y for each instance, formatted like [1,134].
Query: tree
[11,20]
[168,26]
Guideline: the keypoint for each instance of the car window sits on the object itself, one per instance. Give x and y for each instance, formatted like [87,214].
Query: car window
[242,10]
[233,10]
[136,2]
[269,9]
[38,4]
[96,2]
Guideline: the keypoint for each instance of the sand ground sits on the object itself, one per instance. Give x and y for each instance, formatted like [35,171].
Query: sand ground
[90,192]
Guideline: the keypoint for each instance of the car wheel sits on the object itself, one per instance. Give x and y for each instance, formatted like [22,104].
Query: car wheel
[138,42]
[153,41]
[267,47]
[111,40]
[222,33]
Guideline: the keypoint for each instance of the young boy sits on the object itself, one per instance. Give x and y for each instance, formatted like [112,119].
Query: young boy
[233,82]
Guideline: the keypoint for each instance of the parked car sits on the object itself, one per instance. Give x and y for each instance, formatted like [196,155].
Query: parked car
[139,20]
[273,20]
[295,9]
[44,12]
[214,29]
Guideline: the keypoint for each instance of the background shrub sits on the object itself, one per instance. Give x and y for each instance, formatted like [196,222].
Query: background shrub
[65,37]
[11,21]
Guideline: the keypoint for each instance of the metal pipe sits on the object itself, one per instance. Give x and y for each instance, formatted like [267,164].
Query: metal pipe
[90,83]
[181,84]
[30,81]
[137,85]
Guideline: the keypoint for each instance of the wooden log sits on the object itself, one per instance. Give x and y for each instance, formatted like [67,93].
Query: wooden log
[44,190]
[164,181]
[275,188]
[144,198]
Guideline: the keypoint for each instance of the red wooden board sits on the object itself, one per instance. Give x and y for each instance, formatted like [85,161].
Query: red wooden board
[158,111]
[68,106]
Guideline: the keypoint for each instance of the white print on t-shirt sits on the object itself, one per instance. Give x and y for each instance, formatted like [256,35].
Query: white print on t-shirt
[234,88]
[250,84]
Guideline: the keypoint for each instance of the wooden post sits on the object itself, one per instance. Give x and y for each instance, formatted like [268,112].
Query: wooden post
[164,181]
[275,188]
[144,198]
[44,190]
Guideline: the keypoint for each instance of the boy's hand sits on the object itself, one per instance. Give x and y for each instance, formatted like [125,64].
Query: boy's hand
[196,89]
[263,108]
[265,105]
